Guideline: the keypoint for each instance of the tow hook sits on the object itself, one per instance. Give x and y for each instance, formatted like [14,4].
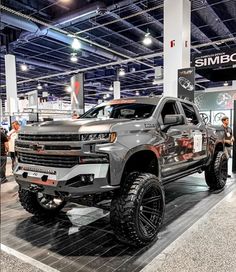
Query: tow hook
[35,188]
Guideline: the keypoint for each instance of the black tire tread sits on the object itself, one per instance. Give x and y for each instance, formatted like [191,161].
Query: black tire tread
[212,175]
[30,203]
[121,215]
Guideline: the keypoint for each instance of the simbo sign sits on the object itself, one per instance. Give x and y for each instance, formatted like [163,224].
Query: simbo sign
[215,59]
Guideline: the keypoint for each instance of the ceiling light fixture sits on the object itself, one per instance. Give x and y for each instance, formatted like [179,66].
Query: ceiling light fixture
[74,57]
[24,67]
[226,83]
[76,45]
[69,89]
[121,72]
[137,93]
[147,39]
[111,88]
[39,86]
[65,1]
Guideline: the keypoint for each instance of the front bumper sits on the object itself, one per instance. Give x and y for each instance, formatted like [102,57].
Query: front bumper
[66,181]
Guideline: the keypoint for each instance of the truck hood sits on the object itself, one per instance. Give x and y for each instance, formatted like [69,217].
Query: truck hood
[73,126]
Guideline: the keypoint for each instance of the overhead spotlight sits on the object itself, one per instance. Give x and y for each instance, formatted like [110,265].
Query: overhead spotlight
[226,83]
[121,72]
[76,45]
[74,57]
[147,39]
[107,95]
[39,86]
[137,93]
[24,67]
[69,89]
[111,88]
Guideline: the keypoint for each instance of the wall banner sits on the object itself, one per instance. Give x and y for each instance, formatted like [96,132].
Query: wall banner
[215,100]
[77,93]
[186,83]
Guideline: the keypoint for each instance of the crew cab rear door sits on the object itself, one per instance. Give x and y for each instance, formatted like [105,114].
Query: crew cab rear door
[197,134]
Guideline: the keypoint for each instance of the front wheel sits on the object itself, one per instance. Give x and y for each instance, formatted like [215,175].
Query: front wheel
[40,204]
[216,173]
[137,211]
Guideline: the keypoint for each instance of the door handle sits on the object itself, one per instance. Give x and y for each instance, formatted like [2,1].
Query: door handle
[185,134]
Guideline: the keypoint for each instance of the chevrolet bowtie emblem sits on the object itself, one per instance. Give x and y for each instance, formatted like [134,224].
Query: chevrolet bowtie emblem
[37,147]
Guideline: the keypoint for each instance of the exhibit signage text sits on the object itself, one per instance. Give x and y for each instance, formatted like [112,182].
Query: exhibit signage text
[215,59]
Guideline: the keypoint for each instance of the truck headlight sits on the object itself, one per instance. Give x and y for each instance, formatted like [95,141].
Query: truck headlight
[108,137]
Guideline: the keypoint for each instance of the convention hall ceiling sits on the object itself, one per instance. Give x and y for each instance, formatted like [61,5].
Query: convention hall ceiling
[39,34]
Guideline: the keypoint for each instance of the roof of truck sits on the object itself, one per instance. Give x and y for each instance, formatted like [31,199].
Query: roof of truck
[143,99]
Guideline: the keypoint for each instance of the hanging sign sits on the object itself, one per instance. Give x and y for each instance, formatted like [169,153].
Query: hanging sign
[77,94]
[215,58]
[186,83]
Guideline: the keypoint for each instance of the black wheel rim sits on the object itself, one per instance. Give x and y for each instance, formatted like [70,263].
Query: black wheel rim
[150,212]
[224,170]
[48,202]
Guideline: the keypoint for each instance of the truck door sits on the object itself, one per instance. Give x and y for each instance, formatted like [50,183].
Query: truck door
[197,134]
[176,142]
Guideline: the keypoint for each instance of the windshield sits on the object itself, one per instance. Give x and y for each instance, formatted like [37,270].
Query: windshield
[121,111]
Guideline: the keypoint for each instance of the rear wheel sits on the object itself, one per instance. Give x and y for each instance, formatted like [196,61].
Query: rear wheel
[137,211]
[40,204]
[216,173]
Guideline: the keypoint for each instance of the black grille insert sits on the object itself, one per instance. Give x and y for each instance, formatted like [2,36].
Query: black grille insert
[49,137]
[48,160]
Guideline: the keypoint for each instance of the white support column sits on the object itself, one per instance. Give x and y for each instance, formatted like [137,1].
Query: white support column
[116,89]
[1,111]
[234,81]
[11,86]
[177,24]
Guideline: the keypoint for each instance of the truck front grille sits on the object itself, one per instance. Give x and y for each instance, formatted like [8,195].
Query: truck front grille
[48,160]
[47,146]
[49,137]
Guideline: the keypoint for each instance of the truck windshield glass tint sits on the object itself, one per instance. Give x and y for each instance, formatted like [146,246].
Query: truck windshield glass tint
[121,111]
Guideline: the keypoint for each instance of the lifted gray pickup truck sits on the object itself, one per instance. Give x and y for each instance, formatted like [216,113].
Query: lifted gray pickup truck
[124,150]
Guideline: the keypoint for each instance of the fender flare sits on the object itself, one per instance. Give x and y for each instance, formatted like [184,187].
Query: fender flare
[139,148]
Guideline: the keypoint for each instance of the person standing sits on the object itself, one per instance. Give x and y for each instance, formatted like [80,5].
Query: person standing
[228,136]
[75,115]
[4,149]
[12,136]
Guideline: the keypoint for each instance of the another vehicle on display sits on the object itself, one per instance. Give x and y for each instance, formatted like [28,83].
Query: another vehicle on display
[124,150]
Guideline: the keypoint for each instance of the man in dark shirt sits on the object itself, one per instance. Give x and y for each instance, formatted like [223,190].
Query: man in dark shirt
[3,159]
[228,136]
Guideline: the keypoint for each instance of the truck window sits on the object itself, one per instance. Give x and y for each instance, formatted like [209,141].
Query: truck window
[169,108]
[190,113]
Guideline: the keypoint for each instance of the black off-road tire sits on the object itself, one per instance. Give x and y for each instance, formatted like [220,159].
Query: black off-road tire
[216,173]
[29,201]
[128,209]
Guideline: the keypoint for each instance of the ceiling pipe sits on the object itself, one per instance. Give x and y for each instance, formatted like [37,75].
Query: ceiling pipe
[39,63]
[17,21]
[78,15]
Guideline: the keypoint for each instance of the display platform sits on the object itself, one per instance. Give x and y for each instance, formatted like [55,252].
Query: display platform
[81,238]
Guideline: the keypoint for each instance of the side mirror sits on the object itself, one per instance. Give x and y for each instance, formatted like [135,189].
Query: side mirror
[173,120]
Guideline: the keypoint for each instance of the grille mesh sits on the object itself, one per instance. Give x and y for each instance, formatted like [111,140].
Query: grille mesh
[49,137]
[48,160]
